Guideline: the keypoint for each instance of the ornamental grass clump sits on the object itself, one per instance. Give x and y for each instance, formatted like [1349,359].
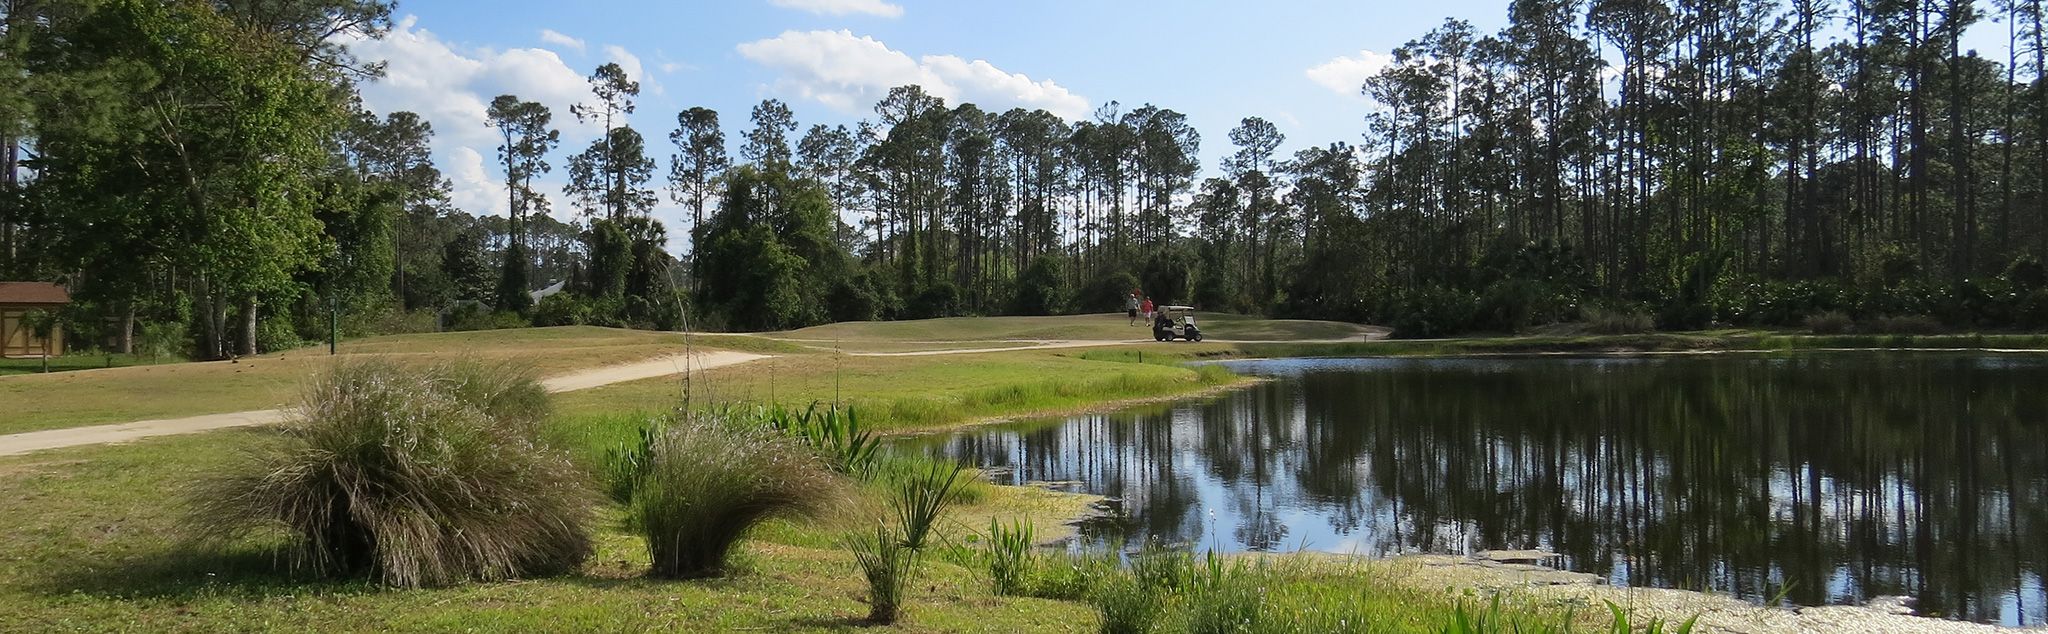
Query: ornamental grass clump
[414,476]
[708,480]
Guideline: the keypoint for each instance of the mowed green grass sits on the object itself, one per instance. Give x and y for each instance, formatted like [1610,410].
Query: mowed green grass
[914,393]
[119,395]
[1103,327]
[95,543]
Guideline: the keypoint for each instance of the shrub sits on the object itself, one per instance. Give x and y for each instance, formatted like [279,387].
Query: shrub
[2032,312]
[1904,325]
[1106,292]
[886,563]
[853,298]
[1833,322]
[276,333]
[1434,312]
[708,481]
[1042,287]
[1617,322]
[161,339]
[412,476]
[561,309]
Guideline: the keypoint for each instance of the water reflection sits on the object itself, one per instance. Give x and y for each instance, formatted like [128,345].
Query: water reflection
[1832,478]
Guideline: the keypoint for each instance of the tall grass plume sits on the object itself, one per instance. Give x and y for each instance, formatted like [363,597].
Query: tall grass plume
[709,480]
[414,476]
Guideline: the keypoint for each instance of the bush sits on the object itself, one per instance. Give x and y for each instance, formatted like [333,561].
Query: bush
[1042,287]
[1106,292]
[1617,322]
[276,333]
[160,339]
[469,317]
[413,476]
[1434,312]
[2032,312]
[708,481]
[561,309]
[1903,325]
[853,299]
[938,300]
[1833,322]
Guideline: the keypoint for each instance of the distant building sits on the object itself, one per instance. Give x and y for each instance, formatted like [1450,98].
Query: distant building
[550,290]
[18,336]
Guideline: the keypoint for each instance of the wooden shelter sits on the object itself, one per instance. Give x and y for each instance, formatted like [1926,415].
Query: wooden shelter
[19,301]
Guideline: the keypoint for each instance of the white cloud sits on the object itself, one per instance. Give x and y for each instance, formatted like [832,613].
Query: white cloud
[452,86]
[1346,75]
[843,7]
[551,36]
[850,73]
[635,70]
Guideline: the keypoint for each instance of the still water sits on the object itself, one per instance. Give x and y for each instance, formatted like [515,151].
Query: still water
[1829,478]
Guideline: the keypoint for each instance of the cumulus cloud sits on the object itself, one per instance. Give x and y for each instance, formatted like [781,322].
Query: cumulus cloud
[1345,75]
[452,86]
[843,7]
[851,73]
[551,36]
[635,70]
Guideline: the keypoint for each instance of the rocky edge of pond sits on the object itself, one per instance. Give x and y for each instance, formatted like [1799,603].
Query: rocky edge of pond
[1523,573]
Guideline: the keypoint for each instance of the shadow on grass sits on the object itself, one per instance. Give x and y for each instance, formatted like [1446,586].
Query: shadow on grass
[185,572]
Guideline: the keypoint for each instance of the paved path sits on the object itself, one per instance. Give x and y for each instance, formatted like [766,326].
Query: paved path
[12,444]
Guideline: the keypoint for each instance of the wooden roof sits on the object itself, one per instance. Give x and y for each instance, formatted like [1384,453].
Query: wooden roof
[43,293]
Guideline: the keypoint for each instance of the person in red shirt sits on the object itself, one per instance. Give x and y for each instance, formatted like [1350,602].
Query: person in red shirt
[1146,308]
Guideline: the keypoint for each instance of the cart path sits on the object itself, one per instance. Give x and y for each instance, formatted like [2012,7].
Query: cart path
[13,444]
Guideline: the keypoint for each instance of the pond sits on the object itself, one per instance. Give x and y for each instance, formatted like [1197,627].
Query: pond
[1821,478]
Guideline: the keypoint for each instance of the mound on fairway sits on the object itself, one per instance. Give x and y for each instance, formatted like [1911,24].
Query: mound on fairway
[1103,326]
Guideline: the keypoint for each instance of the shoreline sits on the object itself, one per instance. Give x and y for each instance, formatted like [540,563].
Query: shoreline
[1098,407]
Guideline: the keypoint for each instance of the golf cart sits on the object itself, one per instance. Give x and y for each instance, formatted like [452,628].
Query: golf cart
[1175,322]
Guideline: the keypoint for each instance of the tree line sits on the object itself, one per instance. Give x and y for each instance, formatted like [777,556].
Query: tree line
[207,168]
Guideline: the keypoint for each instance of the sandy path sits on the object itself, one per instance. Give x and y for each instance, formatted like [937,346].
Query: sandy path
[13,444]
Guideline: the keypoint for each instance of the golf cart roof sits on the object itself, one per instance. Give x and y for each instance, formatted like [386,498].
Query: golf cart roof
[1180,309]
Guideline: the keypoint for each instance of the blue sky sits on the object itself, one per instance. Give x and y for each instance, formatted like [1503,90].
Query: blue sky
[1294,62]
[830,59]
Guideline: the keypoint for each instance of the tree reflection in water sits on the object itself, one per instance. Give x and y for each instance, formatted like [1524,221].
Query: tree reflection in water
[1841,476]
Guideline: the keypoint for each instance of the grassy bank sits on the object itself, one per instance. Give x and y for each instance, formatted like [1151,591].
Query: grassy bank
[1721,341]
[912,393]
[95,544]
[1103,327]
